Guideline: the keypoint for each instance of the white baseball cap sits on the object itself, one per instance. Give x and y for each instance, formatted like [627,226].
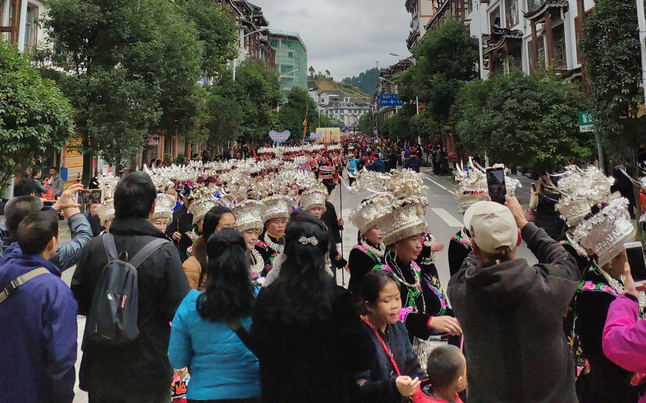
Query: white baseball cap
[491,226]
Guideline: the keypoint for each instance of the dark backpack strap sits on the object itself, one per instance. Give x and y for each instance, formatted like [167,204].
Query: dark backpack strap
[146,251]
[240,331]
[20,281]
[110,247]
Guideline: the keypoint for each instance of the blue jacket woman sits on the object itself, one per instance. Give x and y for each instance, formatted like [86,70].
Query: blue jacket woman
[221,366]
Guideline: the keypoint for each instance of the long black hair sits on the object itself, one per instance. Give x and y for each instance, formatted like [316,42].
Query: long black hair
[229,291]
[211,222]
[212,219]
[304,289]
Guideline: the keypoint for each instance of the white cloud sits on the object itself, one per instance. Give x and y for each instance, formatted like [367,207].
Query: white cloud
[346,37]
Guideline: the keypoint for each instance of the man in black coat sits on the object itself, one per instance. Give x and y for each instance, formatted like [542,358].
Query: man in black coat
[138,370]
[512,313]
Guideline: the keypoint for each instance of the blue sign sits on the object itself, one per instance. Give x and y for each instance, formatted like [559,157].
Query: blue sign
[389,100]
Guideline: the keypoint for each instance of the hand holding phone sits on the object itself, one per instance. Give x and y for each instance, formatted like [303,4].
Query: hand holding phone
[635,256]
[496,184]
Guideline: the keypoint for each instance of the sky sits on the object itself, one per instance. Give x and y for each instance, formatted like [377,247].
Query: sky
[345,37]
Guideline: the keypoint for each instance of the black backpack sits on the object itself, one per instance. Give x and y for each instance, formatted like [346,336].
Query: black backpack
[115,304]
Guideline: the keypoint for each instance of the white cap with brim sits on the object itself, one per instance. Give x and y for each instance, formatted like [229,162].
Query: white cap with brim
[491,225]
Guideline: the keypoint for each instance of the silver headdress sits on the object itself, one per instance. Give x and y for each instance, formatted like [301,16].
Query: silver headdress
[604,234]
[203,201]
[164,207]
[105,211]
[316,196]
[248,215]
[580,190]
[405,219]
[370,213]
[276,207]
[472,187]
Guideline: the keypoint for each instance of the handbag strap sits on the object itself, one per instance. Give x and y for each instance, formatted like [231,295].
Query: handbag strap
[236,326]
[383,344]
[20,281]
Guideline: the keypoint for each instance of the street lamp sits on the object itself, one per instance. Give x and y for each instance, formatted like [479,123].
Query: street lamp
[263,29]
[412,60]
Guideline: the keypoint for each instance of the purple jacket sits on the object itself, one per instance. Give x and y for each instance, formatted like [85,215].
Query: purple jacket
[624,336]
[38,334]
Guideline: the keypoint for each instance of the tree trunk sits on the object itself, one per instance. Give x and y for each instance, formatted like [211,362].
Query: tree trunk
[88,159]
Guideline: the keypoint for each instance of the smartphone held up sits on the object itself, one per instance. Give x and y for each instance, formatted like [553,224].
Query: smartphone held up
[496,184]
[635,256]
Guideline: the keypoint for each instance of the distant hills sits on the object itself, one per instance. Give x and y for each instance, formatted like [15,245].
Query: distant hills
[366,82]
[328,84]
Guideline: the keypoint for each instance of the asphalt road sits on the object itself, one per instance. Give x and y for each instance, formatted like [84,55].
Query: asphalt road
[442,217]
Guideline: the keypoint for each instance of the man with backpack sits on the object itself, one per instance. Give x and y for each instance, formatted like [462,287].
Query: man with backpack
[125,348]
[38,329]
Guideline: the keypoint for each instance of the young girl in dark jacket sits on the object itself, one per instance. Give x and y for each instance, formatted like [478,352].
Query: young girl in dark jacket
[395,371]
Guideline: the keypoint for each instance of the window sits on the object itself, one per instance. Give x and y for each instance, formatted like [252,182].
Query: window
[469,6]
[560,57]
[512,13]
[494,18]
[541,52]
[530,56]
[290,55]
[532,3]
[31,27]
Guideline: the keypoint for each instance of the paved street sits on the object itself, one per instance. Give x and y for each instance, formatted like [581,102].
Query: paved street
[442,217]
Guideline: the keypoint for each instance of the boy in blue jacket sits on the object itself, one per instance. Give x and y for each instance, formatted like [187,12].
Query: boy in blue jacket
[38,328]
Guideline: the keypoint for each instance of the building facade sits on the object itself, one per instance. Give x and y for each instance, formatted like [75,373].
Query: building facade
[421,12]
[387,85]
[252,41]
[19,23]
[338,106]
[291,60]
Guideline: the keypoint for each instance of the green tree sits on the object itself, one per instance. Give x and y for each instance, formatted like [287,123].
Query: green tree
[312,71]
[366,81]
[446,59]
[217,29]
[368,121]
[225,119]
[35,117]
[292,114]
[129,67]
[257,90]
[519,120]
[612,61]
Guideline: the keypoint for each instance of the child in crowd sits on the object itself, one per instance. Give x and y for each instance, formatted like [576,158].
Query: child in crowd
[447,375]
[395,374]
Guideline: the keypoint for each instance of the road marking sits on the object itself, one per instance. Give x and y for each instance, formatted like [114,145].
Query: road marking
[448,218]
[429,178]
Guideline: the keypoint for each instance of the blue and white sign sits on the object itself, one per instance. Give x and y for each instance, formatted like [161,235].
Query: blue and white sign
[279,137]
[316,136]
[389,100]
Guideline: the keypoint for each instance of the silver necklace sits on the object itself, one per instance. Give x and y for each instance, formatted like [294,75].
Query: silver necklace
[465,236]
[258,263]
[402,279]
[273,245]
[378,252]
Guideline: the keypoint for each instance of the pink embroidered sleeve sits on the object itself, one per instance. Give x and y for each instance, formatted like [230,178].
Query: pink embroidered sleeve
[624,335]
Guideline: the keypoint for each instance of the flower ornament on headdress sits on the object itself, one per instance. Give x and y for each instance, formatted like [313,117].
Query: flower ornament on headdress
[580,190]
[371,182]
[308,241]
[107,183]
[276,207]
[603,235]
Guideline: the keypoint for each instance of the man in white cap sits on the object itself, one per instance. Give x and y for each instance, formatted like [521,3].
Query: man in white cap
[512,313]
